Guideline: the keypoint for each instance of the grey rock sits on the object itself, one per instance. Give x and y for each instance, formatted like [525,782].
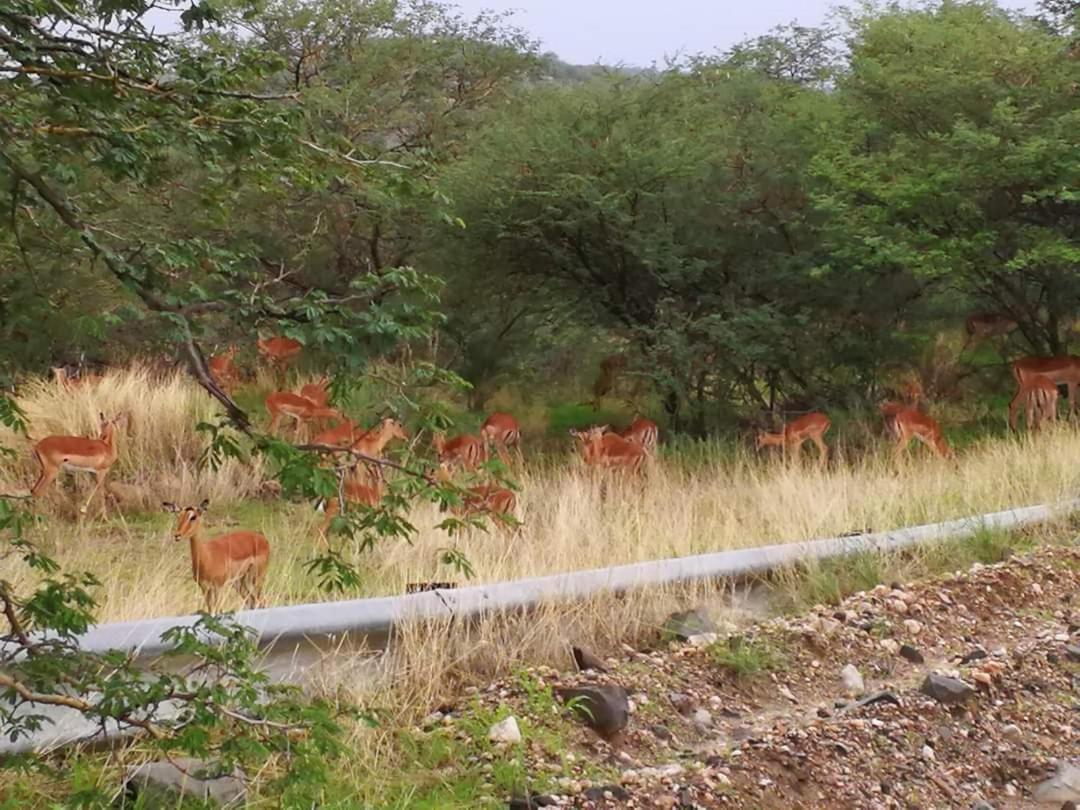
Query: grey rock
[884,696]
[702,719]
[687,624]
[160,783]
[946,690]
[529,802]
[1072,652]
[852,680]
[604,708]
[1063,786]
[909,653]
[1012,732]
[982,805]
[505,731]
[661,732]
[975,655]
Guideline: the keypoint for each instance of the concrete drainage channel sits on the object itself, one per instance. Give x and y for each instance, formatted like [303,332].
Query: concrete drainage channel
[296,637]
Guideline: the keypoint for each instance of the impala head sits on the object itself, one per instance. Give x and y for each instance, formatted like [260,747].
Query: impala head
[105,424]
[438,441]
[391,428]
[189,517]
[591,434]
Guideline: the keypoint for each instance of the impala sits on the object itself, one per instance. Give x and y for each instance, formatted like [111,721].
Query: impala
[983,325]
[318,392]
[1063,370]
[1039,398]
[343,434]
[223,370]
[644,432]
[486,499]
[466,451]
[56,453]
[503,432]
[906,424]
[369,489]
[66,378]
[238,558]
[600,448]
[811,427]
[279,351]
[286,403]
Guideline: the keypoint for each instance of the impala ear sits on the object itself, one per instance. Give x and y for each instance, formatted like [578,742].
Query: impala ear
[169,507]
[204,505]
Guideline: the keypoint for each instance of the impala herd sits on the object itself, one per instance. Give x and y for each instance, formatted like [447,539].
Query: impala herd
[241,558]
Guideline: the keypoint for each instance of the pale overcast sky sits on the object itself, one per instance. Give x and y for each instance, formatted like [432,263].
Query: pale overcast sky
[640,32]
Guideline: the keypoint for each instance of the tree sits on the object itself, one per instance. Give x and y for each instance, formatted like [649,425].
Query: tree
[957,158]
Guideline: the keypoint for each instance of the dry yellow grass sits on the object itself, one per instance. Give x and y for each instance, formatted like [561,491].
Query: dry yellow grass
[569,522]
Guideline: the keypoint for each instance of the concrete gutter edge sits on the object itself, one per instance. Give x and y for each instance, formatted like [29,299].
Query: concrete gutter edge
[379,615]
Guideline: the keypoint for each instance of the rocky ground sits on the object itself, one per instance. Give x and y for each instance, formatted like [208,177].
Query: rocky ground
[961,691]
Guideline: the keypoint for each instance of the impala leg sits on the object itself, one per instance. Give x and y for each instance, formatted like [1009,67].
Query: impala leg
[1014,405]
[48,475]
[1030,411]
[823,451]
[1071,387]
[100,475]
[275,416]
[797,455]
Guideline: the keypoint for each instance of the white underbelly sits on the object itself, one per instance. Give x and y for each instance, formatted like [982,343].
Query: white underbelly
[75,468]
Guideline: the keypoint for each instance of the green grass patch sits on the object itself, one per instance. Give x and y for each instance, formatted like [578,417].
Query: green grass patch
[746,657]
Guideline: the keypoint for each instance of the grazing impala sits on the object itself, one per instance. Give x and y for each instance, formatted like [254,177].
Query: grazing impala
[365,483]
[466,451]
[904,424]
[503,432]
[279,351]
[644,432]
[318,392]
[811,427]
[56,453]
[609,450]
[1039,398]
[237,558]
[343,434]
[1063,370]
[286,403]
[486,499]
[223,370]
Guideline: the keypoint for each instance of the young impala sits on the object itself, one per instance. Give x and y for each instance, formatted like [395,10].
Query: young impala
[223,369]
[237,558]
[466,451]
[503,432]
[286,403]
[811,427]
[905,424]
[365,483]
[1063,370]
[644,432]
[1039,398]
[56,453]
[486,499]
[610,451]
[318,392]
[279,351]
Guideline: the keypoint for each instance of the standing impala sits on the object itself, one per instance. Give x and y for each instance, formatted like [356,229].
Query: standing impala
[983,325]
[905,424]
[360,488]
[1039,398]
[609,450]
[466,451]
[56,453]
[811,427]
[1064,370]
[286,403]
[644,432]
[279,351]
[237,558]
[223,370]
[486,499]
[503,431]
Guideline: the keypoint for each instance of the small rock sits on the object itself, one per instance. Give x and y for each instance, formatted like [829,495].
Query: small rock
[702,719]
[946,690]
[913,626]
[1010,790]
[661,732]
[982,805]
[824,713]
[669,771]
[158,784]
[1011,732]
[1072,652]
[505,731]
[604,708]
[909,653]
[878,697]
[898,606]
[584,659]
[891,646]
[787,693]
[927,753]
[683,703]
[852,680]
[1063,786]
[689,623]
[702,639]
[974,655]
[607,792]
[529,802]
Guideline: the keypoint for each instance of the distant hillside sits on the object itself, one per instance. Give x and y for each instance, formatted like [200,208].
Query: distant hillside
[556,70]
